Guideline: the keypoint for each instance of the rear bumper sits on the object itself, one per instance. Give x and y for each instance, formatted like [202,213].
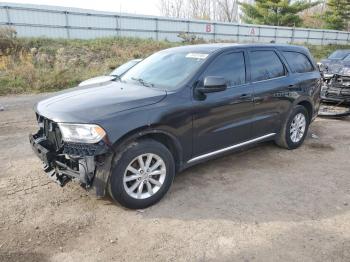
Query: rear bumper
[88,165]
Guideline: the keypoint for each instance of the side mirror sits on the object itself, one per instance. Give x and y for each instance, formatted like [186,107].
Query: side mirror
[213,84]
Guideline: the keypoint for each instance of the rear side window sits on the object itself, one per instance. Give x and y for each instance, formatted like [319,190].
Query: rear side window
[298,62]
[265,65]
[231,66]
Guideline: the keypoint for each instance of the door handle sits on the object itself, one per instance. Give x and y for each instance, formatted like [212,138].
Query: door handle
[294,87]
[243,96]
[258,99]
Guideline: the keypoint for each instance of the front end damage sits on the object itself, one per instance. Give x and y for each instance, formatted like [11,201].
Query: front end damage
[335,96]
[336,88]
[87,164]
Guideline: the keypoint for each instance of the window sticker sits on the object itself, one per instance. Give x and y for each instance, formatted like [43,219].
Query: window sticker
[197,55]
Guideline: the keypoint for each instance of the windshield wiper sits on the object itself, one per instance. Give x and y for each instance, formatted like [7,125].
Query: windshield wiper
[116,78]
[142,82]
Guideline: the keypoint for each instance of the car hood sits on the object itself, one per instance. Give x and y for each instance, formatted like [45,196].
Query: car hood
[94,103]
[335,66]
[97,80]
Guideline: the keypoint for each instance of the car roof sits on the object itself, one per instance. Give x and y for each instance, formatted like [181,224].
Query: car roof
[210,48]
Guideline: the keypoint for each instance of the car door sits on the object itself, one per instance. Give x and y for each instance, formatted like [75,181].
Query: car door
[223,119]
[306,74]
[271,83]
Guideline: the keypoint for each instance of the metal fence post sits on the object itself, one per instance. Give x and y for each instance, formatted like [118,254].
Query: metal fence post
[308,36]
[238,33]
[322,38]
[337,38]
[67,23]
[157,28]
[214,32]
[117,26]
[275,34]
[293,34]
[7,10]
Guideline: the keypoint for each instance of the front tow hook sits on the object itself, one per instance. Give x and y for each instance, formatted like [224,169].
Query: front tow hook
[62,180]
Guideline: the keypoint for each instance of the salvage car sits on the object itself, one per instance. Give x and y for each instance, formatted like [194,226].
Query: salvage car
[177,108]
[336,73]
[334,60]
[116,73]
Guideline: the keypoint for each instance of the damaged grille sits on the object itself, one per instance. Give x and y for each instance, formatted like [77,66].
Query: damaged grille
[77,149]
[337,95]
[51,132]
[343,81]
[54,143]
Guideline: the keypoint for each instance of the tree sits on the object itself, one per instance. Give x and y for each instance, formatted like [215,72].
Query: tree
[218,10]
[227,10]
[200,9]
[275,12]
[313,17]
[172,8]
[337,15]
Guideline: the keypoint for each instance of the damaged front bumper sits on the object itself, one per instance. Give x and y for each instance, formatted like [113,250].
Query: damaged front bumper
[336,89]
[335,95]
[87,164]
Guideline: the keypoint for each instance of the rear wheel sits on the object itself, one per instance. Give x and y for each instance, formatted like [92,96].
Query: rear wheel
[295,129]
[142,174]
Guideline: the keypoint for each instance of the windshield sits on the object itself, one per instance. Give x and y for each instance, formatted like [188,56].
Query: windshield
[339,54]
[165,69]
[347,58]
[124,67]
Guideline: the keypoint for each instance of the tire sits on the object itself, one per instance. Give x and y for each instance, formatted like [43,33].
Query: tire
[285,138]
[126,167]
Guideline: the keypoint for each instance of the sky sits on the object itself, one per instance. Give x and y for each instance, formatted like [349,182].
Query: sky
[146,7]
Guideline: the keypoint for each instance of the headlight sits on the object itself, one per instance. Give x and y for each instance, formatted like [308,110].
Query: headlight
[81,133]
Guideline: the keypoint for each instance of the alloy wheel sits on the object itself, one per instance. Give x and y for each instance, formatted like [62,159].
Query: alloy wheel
[144,176]
[297,128]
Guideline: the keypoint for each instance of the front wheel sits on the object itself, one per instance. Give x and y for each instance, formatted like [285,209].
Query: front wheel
[142,174]
[295,129]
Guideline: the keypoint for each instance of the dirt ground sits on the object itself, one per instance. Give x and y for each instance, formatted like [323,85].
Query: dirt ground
[264,204]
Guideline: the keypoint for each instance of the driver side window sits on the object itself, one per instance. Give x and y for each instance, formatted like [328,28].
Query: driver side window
[230,66]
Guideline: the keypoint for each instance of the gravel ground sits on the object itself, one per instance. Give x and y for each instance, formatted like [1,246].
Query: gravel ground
[263,204]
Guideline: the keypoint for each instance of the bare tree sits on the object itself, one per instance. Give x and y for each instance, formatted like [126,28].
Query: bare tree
[200,9]
[173,8]
[228,10]
[220,10]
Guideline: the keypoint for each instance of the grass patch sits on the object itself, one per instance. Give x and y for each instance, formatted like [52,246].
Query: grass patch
[34,65]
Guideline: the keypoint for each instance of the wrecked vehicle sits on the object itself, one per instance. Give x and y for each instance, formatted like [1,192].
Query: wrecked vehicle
[334,60]
[177,108]
[335,71]
[336,75]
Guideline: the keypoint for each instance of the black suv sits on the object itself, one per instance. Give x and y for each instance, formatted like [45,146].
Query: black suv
[176,108]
